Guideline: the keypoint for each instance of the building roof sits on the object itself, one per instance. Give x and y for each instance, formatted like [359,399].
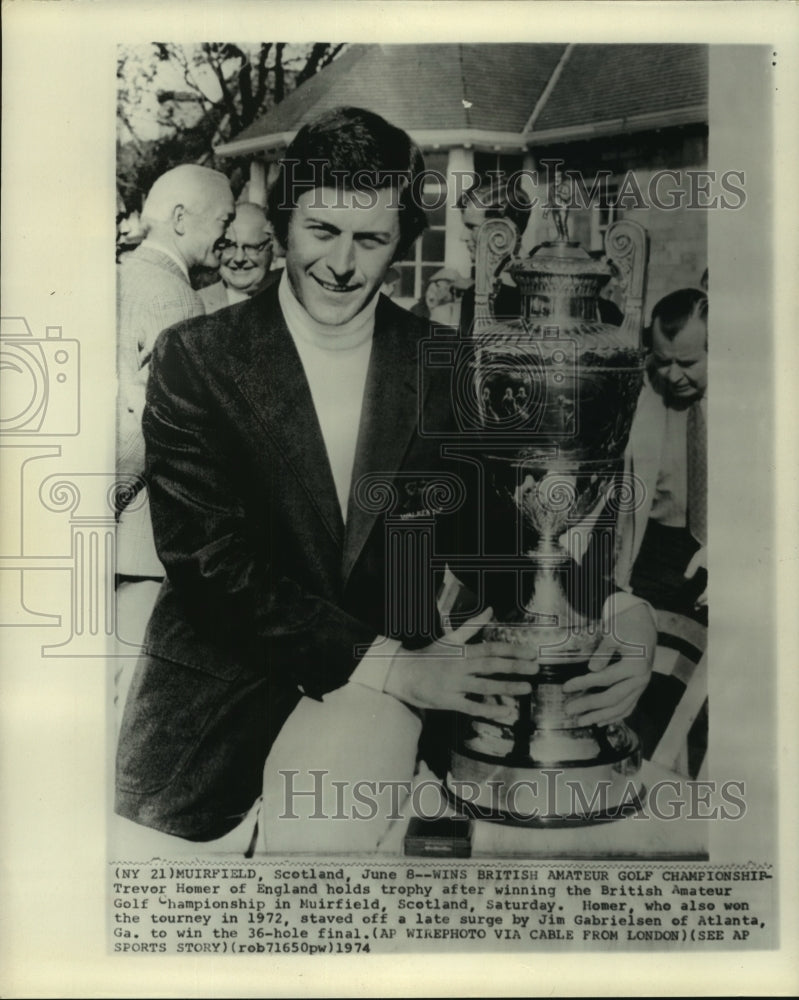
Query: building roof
[501,96]
[605,83]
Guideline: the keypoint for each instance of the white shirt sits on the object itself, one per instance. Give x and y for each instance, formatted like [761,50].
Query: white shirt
[670,502]
[336,361]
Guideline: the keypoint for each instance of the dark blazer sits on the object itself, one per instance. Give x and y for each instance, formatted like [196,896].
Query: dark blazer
[267,596]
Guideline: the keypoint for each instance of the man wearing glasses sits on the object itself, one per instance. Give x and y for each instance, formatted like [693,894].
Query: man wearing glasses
[245,259]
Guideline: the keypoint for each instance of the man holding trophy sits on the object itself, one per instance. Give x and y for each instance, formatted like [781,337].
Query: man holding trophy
[287,439]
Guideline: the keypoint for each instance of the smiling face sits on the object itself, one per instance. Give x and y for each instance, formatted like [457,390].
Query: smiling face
[339,250]
[247,253]
[679,364]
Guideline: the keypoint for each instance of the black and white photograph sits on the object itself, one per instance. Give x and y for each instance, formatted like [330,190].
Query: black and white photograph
[393,521]
[305,516]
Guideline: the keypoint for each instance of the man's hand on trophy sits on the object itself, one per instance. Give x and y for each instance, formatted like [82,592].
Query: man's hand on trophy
[619,670]
[698,561]
[450,675]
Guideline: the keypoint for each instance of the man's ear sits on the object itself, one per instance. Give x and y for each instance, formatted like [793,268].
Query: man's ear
[402,249]
[179,219]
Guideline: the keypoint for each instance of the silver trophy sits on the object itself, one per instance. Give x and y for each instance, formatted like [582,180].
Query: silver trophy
[555,390]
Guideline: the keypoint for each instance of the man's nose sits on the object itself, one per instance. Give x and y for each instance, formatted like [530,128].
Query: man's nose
[675,372]
[239,255]
[341,258]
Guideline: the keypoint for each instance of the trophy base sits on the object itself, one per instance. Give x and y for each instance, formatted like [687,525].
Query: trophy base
[552,794]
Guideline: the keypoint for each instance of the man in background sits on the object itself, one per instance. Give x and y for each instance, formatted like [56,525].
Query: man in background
[486,201]
[184,219]
[244,261]
[391,282]
[662,543]
[129,234]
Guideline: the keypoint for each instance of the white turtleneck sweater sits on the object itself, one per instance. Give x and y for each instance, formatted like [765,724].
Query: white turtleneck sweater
[335,360]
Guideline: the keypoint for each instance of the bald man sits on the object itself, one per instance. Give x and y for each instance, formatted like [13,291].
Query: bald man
[244,261]
[184,218]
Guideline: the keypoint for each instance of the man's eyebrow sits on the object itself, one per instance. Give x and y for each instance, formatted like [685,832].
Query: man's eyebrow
[374,234]
[310,220]
[674,357]
[385,234]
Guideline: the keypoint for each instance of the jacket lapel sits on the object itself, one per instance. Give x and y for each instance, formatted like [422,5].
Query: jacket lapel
[273,382]
[388,421]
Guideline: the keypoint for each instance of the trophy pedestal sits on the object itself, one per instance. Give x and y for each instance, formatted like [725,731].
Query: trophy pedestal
[545,770]
[546,795]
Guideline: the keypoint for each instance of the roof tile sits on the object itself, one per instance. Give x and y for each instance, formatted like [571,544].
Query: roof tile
[423,87]
[496,87]
[604,82]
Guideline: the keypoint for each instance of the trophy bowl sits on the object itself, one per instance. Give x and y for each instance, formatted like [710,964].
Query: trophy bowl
[545,769]
[556,391]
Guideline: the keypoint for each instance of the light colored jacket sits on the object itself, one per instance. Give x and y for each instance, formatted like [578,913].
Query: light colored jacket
[153,293]
[642,462]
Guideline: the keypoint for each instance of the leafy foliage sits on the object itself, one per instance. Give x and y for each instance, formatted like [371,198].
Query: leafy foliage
[175,103]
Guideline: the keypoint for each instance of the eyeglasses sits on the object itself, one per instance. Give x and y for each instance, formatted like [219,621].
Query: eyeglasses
[248,249]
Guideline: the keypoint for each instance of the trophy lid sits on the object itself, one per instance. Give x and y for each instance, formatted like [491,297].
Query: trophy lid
[559,257]
[560,277]
[562,258]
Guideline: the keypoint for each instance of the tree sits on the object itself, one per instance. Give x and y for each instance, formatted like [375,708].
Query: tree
[175,103]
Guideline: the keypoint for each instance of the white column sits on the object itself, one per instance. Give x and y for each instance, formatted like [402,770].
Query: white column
[533,235]
[460,164]
[257,192]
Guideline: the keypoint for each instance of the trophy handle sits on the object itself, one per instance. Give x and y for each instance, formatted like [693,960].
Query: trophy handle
[497,241]
[627,247]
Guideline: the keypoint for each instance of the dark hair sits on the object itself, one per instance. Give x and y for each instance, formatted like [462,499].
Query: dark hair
[674,310]
[499,201]
[351,149]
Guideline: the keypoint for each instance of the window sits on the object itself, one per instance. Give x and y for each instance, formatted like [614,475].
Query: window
[490,165]
[426,256]
[604,212]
